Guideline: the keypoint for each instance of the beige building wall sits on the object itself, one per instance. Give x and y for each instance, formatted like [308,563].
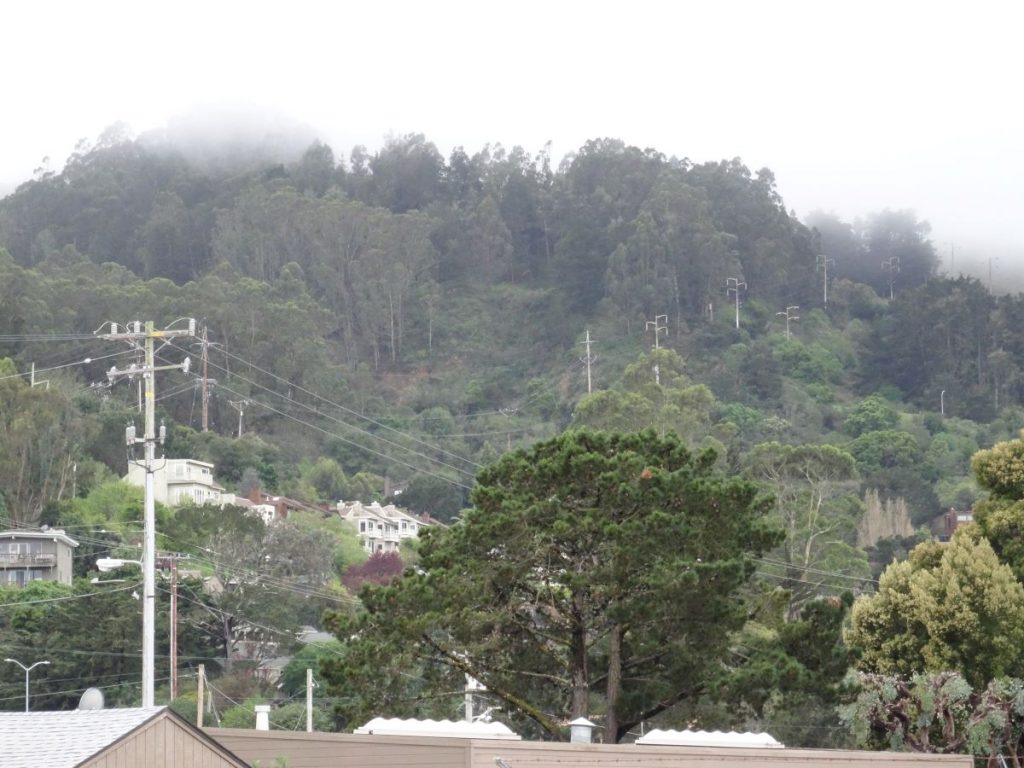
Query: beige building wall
[163,743]
[335,750]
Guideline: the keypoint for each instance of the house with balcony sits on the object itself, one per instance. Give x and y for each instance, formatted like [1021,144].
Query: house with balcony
[179,481]
[34,555]
[381,529]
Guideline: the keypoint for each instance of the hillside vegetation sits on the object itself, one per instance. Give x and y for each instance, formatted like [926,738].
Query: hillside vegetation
[401,320]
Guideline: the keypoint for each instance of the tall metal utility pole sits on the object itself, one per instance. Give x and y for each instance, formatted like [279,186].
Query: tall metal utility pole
[733,285]
[148,371]
[788,314]
[239,405]
[893,265]
[658,328]
[174,627]
[822,264]
[32,378]
[589,359]
[206,387]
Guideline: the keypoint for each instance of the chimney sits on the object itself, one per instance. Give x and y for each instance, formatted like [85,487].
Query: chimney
[262,717]
[580,730]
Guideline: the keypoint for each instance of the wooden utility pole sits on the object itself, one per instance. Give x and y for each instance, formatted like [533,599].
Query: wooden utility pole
[200,694]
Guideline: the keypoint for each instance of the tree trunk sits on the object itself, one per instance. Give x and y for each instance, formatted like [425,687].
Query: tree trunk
[580,671]
[614,689]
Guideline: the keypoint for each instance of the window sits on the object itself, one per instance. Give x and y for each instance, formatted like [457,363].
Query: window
[362,526]
[404,525]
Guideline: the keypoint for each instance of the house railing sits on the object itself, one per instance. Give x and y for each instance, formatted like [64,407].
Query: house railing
[17,558]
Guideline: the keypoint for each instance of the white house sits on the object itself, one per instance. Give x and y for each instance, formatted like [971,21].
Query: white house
[179,481]
[188,481]
[380,529]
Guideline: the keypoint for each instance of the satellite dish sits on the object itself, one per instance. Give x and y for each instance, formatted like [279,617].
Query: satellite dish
[91,699]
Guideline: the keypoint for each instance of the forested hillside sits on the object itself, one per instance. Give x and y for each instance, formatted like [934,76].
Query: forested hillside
[401,320]
[447,299]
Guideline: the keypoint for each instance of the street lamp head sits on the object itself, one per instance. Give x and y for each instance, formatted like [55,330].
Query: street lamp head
[106,564]
[15,661]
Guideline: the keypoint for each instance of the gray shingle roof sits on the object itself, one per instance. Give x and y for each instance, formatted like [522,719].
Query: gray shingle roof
[65,739]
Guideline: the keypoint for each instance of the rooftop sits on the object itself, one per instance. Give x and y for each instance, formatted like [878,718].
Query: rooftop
[28,737]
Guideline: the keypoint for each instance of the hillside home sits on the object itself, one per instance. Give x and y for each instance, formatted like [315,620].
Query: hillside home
[27,556]
[179,481]
[381,529]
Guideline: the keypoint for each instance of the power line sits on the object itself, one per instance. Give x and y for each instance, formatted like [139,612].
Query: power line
[352,426]
[816,571]
[83,361]
[356,444]
[68,597]
[343,409]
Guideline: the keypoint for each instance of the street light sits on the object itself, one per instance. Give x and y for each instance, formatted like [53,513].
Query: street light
[27,670]
[106,564]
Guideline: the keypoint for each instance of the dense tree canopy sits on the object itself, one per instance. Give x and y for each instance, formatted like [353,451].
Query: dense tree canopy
[595,567]
[948,607]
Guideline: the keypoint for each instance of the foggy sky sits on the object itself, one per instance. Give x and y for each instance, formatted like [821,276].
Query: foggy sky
[856,106]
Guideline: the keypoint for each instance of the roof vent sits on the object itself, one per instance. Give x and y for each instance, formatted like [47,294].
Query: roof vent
[580,730]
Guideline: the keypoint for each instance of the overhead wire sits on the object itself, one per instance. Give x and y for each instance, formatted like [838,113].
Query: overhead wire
[72,364]
[349,441]
[268,580]
[66,598]
[342,408]
[816,571]
[350,426]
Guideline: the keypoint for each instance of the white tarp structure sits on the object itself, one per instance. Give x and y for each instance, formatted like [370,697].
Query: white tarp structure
[709,739]
[460,729]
